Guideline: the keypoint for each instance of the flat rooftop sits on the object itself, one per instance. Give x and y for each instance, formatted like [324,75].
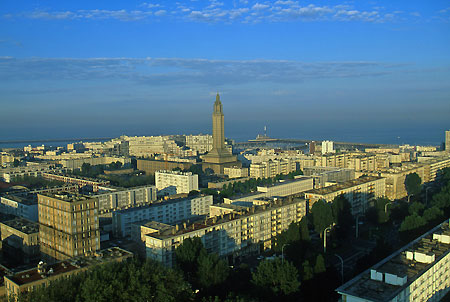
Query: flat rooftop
[67,196]
[344,185]
[23,225]
[21,197]
[298,178]
[401,265]
[103,256]
[244,212]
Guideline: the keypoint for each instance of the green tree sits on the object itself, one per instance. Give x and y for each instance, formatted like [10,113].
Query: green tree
[304,230]
[188,253]
[412,222]
[319,267]
[211,270]
[276,276]
[322,216]
[413,184]
[416,208]
[308,271]
[433,215]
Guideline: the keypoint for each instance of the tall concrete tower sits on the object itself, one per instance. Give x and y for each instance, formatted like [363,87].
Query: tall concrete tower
[218,125]
[220,156]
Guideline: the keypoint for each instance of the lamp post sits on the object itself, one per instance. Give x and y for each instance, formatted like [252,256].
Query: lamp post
[282,252]
[342,267]
[409,196]
[325,238]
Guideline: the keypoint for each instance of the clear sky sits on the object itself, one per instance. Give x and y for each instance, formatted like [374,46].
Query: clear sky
[356,70]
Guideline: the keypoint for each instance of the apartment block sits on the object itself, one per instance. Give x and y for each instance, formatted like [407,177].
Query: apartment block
[324,175]
[352,160]
[175,182]
[418,272]
[20,239]
[69,225]
[242,231]
[44,273]
[171,211]
[359,192]
[150,166]
[235,172]
[121,198]
[272,168]
[77,163]
[80,181]
[23,205]
[327,147]
[199,143]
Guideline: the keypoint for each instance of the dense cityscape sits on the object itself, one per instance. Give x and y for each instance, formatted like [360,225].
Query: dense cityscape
[204,218]
[221,151]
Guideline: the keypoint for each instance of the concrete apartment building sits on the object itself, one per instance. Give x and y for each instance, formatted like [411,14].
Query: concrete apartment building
[325,175]
[234,234]
[8,174]
[447,140]
[199,143]
[327,147]
[23,205]
[170,211]
[281,188]
[78,180]
[20,239]
[150,166]
[235,172]
[359,192]
[272,168]
[433,166]
[43,274]
[69,225]
[121,198]
[418,272]
[77,163]
[395,179]
[175,182]
[351,160]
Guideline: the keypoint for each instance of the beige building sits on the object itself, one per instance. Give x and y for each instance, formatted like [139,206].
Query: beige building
[220,155]
[175,182]
[235,172]
[150,166]
[121,198]
[359,192]
[5,158]
[80,181]
[395,179]
[351,160]
[20,238]
[245,230]
[272,168]
[447,140]
[199,143]
[44,274]
[418,272]
[69,225]
[73,164]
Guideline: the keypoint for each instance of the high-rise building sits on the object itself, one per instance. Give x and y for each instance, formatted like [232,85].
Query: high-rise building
[327,147]
[447,140]
[312,147]
[68,225]
[175,182]
[220,156]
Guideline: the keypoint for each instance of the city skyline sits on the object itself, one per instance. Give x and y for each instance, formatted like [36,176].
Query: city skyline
[317,70]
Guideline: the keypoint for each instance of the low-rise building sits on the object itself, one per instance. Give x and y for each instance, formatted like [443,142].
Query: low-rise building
[23,205]
[171,211]
[44,274]
[418,272]
[80,181]
[359,192]
[242,231]
[175,182]
[20,239]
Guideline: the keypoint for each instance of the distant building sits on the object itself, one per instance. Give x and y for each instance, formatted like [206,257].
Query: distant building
[272,168]
[447,140]
[420,271]
[359,192]
[171,211]
[80,181]
[120,198]
[23,205]
[220,156]
[175,182]
[150,166]
[327,147]
[69,225]
[312,147]
[235,172]
[324,175]
[199,143]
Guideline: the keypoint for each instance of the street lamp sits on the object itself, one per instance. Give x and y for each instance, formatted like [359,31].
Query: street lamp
[385,206]
[325,238]
[282,252]
[409,196]
[342,267]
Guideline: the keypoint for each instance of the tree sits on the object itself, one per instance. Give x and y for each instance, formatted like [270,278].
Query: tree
[416,208]
[277,277]
[188,253]
[412,222]
[320,265]
[292,234]
[413,184]
[322,216]
[342,215]
[308,271]
[211,270]
[304,230]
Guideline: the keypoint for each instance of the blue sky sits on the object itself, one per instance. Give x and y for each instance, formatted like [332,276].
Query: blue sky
[343,70]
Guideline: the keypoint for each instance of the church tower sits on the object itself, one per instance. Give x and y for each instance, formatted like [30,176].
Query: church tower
[220,156]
